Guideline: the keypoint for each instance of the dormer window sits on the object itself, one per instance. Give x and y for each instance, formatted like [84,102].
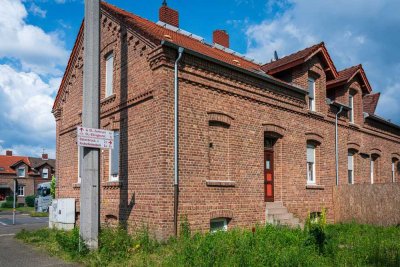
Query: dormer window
[21,171]
[45,173]
[311,94]
[351,105]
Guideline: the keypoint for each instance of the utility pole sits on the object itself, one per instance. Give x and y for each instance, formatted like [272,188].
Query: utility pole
[89,195]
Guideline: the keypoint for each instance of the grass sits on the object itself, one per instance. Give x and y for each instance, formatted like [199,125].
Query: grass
[343,245]
[38,214]
[21,209]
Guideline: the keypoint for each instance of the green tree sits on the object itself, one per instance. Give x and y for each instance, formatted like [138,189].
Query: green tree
[53,187]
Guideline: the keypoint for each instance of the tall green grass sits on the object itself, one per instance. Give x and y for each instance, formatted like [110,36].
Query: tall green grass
[343,245]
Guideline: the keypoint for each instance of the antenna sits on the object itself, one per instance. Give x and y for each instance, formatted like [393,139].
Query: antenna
[164,3]
[43,149]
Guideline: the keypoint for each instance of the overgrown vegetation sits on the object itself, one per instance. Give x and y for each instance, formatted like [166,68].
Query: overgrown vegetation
[53,187]
[317,245]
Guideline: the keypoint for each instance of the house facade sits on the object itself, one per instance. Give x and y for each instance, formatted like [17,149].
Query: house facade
[29,172]
[250,134]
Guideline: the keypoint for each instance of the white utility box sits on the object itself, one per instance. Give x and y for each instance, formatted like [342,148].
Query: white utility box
[62,214]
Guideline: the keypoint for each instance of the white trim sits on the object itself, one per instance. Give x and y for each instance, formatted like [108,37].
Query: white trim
[109,75]
[47,173]
[311,100]
[372,170]
[351,105]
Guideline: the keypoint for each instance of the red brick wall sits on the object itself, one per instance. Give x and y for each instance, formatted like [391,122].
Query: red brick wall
[142,109]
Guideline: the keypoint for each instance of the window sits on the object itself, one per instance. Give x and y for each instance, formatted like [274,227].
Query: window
[109,74]
[350,167]
[114,158]
[80,156]
[311,94]
[21,190]
[21,172]
[395,166]
[220,224]
[45,173]
[351,112]
[310,164]
[372,170]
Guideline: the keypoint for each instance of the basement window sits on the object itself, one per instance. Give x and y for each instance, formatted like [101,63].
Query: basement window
[219,224]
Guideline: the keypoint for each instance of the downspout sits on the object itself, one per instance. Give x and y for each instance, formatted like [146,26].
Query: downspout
[336,145]
[176,141]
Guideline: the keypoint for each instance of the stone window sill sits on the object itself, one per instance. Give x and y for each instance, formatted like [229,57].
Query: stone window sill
[76,185]
[218,183]
[315,187]
[108,99]
[316,114]
[112,184]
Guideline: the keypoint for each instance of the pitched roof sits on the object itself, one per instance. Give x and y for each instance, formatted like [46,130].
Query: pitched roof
[370,102]
[38,162]
[7,162]
[159,33]
[344,76]
[298,58]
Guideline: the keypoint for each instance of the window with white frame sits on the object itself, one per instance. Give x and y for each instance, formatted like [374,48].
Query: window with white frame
[311,94]
[80,157]
[350,167]
[21,190]
[395,166]
[219,224]
[21,171]
[351,105]
[114,158]
[310,164]
[372,169]
[45,173]
[109,74]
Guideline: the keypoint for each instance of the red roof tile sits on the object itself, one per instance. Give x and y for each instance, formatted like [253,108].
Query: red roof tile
[346,75]
[7,161]
[298,58]
[370,102]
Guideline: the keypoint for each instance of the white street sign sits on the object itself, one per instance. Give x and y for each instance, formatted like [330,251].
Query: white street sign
[96,138]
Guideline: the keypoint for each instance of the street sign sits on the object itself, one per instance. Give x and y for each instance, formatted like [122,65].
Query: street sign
[96,138]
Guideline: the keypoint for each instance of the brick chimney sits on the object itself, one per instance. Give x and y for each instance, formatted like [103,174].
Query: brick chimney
[45,156]
[221,37]
[168,15]
[8,152]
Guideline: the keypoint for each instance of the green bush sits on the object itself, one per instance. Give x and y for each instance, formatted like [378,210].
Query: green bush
[10,199]
[30,201]
[7,205]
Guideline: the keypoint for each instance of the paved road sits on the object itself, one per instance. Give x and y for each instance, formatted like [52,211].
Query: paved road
[14,253]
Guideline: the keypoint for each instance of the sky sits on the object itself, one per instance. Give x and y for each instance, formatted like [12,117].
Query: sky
[37,36]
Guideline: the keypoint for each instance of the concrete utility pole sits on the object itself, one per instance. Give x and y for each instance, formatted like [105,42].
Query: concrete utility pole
[89,197]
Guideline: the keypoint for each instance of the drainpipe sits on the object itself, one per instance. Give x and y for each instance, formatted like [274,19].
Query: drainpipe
[336,145]
[176,142]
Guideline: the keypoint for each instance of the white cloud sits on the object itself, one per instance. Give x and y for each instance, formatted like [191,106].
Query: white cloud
[37,11]
[30,151]
[35,49]
[355,32]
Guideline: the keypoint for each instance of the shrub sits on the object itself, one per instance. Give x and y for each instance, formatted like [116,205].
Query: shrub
[30,201]
[9,198]
[7,205]
[315,227]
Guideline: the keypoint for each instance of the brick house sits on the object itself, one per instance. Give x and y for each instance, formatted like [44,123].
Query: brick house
[29,171]
[250,134]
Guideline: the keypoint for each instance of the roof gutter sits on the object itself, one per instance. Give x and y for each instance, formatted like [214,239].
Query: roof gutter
[254,74]
[381,120]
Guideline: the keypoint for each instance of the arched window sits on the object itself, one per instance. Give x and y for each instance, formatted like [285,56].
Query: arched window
[374,167]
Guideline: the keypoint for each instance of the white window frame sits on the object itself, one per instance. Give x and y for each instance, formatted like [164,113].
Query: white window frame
[224,228]
[23,190]
[312,174]
[372,170]
[47,173]
[393,171]
[21,168]
[351,105]
[311,100]
[109,75]
[113,178]
[350,168]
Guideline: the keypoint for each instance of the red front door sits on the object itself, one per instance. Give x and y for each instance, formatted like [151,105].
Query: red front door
[269,175]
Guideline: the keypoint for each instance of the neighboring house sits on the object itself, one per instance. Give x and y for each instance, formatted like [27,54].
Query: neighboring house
[250,134]
[29,172]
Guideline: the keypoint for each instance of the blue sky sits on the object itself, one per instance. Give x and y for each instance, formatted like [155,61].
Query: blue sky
[38,35]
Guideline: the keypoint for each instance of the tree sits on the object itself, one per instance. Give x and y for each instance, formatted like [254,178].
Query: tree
[53,187]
